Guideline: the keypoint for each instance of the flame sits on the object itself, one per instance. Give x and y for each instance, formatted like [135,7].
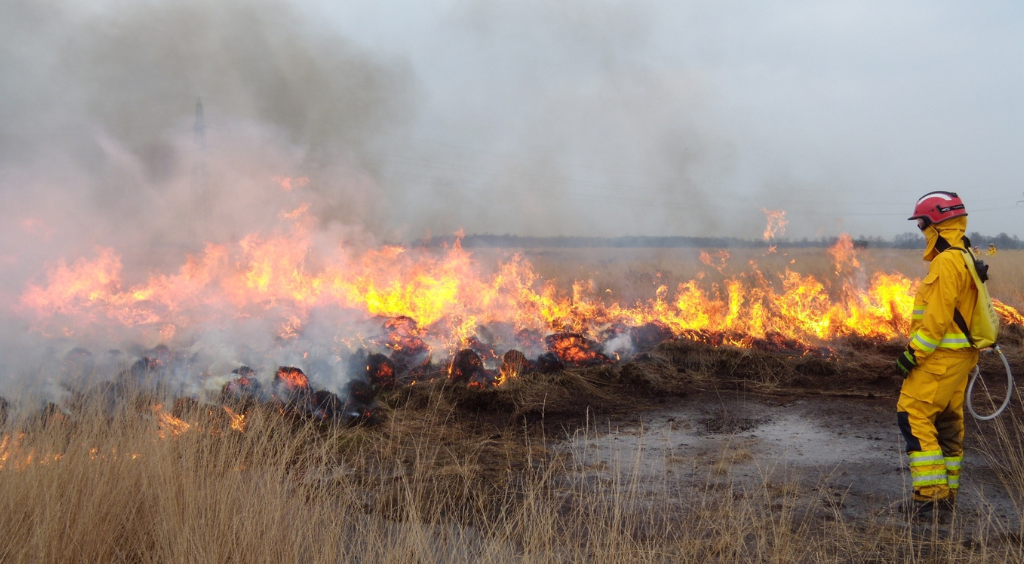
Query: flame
[288,183]
[12,455]
[15,456]
[95,454]
[716,260]
[844,256]
[237,420]
[291,328]
[383,373]
[444,298]
[291,378]
[38,227]
[167,424]
[513,363]
[777,223]
[1007,313]
[575,349]
[9,447]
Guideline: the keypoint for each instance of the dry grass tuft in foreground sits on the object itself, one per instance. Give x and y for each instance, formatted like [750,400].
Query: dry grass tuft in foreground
[430,485]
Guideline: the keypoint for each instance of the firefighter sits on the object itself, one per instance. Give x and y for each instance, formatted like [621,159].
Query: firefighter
[991,249]
[936,363]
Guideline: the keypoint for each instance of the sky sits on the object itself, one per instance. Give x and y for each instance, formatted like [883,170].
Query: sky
[672,117]
[527,117]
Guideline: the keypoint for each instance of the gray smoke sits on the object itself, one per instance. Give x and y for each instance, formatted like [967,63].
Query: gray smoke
[97,148]
[97,108]
[546,118]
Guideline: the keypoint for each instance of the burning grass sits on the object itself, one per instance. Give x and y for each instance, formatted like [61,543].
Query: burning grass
[442,302]
[483,322]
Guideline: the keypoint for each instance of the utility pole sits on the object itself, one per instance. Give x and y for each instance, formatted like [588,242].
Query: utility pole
[199,179]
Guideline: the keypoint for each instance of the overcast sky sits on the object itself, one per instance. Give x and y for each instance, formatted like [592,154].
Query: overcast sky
[532,117]
[684,117]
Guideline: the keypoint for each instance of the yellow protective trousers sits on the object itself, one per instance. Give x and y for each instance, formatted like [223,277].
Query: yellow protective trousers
[930,413]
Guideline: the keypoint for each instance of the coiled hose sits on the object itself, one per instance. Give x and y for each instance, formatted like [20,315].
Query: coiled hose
[1009,389]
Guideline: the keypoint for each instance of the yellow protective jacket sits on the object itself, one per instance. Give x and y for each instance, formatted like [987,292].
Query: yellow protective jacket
[948,285]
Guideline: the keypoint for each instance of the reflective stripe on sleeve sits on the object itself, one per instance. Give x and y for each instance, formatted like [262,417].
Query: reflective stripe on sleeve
[918,313]
[924,343]
[955,341]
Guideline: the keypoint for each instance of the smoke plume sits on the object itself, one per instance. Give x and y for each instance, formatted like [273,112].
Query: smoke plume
[99,149]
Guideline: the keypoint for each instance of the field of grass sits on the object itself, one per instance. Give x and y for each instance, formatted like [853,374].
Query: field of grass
[433,484]
[453,475]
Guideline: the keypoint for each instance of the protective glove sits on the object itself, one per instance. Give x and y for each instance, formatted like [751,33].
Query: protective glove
[906,362]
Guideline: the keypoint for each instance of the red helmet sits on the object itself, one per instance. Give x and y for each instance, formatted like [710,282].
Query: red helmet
[937,207]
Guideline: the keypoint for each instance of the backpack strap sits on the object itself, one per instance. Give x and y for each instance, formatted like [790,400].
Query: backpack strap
[942,245]
[958,317]
[961,323]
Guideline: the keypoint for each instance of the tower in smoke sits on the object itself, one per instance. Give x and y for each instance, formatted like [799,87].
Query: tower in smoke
[198,172]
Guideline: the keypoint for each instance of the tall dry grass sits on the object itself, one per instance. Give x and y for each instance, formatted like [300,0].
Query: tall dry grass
[427,486]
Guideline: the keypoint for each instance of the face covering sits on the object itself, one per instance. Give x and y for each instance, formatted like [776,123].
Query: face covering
[940,236]
[931,236]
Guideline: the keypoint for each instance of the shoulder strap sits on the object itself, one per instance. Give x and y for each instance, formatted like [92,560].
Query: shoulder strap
[958,317]
[961,323]
[942,245]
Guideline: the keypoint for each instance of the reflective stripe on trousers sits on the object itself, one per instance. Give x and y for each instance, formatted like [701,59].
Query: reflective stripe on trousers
[953,464]
[927,468]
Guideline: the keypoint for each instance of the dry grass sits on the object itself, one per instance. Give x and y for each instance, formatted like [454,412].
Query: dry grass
[433,484]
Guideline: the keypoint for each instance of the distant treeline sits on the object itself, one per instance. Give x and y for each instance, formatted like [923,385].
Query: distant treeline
[909,240]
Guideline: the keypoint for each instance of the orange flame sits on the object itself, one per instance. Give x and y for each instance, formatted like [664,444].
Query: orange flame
[448,295]
[288,183]
[237,420]
[716,260]
[292,378]
[1007,313]
[167,424]
[844,256]
[777,223]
